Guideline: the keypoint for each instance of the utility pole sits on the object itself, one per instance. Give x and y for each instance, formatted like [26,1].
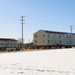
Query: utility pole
[71,27]
[29,43]
[22,22]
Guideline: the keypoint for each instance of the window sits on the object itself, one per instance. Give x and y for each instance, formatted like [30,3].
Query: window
[67,36]
[59,41]
[48,41]
[35,41]
[60,36]
[70,37]
[43,35]
[10,44]
[52,41]
[48,36]
[35,35]
[54,37]
[67,42]
[1,44]
[70,42]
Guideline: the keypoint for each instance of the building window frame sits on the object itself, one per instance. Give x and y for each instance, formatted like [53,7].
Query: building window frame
[43,41]
[48,36]
[43,35]
[59,41]
[35,35]
[48,41]
[59,36]
[35,41]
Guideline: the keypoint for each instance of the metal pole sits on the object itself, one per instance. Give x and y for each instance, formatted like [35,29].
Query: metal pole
[22,29]
[71,27]
[29,43]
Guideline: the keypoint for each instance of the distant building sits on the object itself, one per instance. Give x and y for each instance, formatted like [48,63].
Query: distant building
[44,38]
[28,45]
[7,43]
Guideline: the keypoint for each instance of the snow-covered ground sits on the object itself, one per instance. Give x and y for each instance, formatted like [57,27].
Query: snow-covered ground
[44,62]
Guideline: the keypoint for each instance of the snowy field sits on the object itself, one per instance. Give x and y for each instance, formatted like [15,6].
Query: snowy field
[44,62]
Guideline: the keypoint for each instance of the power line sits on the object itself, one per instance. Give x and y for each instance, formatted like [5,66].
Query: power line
[34,19]
[22,20]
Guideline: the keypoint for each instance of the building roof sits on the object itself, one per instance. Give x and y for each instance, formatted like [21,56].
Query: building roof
[8,39]
[56,32]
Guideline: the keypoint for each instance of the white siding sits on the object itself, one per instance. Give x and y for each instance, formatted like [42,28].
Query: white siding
[8,43]
[40,38]
[53,38]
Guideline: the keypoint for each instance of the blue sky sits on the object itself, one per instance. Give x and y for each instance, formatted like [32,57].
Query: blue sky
[55,15]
